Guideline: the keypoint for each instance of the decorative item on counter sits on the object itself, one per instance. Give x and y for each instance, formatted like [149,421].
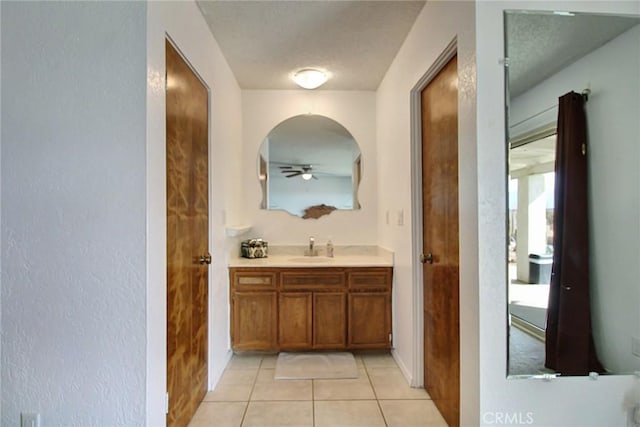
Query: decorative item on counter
[253,248]
[330,248]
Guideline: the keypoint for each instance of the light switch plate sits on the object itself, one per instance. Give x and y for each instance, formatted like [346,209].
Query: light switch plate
[635,346]
[28,419]
[634,416]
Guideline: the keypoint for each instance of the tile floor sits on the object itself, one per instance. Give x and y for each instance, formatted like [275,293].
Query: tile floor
[247,395]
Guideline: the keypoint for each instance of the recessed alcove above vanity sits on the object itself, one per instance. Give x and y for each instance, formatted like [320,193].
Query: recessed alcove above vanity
[289,301]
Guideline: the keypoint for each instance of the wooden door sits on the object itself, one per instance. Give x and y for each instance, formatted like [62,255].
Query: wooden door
[329,320]
[294,320]
[187,238]
[440,222]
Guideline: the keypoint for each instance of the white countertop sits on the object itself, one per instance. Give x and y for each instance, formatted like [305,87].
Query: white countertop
[293,256]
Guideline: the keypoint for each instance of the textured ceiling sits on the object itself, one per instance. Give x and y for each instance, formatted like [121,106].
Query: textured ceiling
[265,41]
[539,45]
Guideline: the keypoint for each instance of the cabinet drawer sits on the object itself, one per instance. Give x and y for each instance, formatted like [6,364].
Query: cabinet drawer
[308,278]
[258,279]
[370,279]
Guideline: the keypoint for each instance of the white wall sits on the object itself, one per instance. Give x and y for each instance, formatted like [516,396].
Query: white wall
[73,212]
[1,250]
[262,110]
[184,24]
[577,401]
[437,25]
[614,153]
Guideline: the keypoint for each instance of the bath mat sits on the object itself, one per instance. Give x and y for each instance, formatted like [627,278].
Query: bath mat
[298,366]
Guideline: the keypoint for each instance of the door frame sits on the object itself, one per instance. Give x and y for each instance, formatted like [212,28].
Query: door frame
[202,80]
[416,208]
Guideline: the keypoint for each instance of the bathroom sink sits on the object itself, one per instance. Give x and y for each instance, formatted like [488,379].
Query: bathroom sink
[310,259]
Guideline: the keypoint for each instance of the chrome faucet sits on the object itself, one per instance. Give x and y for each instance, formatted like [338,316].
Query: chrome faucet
[312,251]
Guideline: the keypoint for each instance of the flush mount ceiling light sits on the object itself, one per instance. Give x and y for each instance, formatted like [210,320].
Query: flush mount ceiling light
[310,78]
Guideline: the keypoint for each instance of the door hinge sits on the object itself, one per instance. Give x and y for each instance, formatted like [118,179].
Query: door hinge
[166,403]
[390,337]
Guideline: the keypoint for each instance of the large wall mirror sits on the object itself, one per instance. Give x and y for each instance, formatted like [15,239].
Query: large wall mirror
[309,166]
[550,54]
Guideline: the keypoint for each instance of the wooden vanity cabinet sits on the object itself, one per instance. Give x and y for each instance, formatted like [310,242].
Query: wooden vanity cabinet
[369,305]
[254,308]
[294,320]
[330,308]
[312,311]
[312,320]
[330,320]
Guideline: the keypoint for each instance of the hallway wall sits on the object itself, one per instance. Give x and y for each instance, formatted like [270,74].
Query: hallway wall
[73,212]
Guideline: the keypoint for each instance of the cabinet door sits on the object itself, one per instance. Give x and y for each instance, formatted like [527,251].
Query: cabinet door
[369,320]
[254,321]
[294,326]
[329,320]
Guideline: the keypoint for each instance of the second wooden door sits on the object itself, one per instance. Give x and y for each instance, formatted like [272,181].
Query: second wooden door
[440,257]
[187,238]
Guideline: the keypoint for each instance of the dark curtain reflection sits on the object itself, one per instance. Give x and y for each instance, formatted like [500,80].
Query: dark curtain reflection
[569,340]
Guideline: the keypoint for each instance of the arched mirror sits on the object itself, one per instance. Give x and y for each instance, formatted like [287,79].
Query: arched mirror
[309,166]
[549,55]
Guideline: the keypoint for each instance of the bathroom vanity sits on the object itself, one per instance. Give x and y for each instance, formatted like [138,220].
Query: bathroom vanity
[311,303]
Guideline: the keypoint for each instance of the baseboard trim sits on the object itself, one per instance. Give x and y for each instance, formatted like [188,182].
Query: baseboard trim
[403,368]
[528,328]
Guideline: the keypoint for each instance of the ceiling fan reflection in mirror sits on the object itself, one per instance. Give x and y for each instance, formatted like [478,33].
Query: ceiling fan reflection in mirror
[304,171]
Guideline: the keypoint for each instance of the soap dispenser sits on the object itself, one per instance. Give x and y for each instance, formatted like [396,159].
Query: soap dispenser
[329,248]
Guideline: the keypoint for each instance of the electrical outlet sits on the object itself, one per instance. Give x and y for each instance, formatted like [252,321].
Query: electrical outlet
[635,346]
[633,419]
[28,419]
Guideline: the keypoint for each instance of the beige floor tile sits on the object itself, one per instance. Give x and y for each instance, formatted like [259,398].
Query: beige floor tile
[239,376]
[295,414]
[269,361]
[229,393]
[353,413]
[235,385]
[359,361]
[245,361]
[267,388]
[379,360]
[219,414]
[266,375]
[411,413]
[389,383]
[344,389]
